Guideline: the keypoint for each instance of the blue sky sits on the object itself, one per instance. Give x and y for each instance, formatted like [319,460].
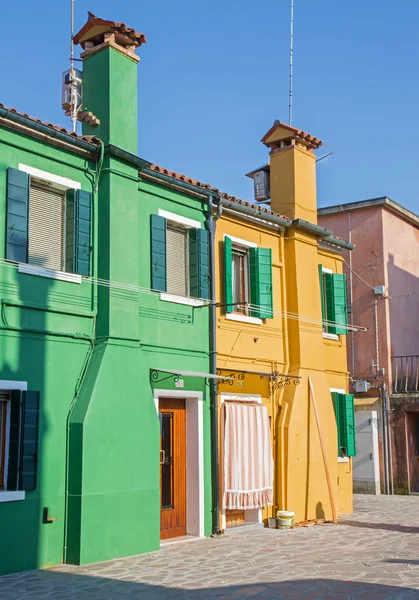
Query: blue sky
[214,76]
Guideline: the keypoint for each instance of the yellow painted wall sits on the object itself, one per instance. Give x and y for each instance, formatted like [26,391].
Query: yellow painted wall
[296,347]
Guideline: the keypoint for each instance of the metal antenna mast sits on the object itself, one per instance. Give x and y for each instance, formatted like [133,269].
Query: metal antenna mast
[291,52]
[73,83]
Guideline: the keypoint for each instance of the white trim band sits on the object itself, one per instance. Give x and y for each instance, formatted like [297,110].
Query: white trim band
[60,182]
[189,223]
[50,273]
[241,242]
[243,318]
[181,300]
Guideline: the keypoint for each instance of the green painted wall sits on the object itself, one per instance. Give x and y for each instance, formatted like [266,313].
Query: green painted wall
[110,91]
[98,466]
[51,364]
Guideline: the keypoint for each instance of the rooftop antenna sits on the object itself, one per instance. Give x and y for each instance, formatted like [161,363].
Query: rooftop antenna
[73,83]
[291,51]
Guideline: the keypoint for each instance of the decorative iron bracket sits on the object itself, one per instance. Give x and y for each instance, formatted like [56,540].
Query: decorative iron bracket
[157,376]
[280,380]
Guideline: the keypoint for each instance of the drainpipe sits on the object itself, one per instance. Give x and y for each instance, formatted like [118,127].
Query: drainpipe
[385,441]
[210,225]
[389,443]
[351,296]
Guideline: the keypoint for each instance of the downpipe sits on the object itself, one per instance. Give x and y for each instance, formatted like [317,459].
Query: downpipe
[210,225]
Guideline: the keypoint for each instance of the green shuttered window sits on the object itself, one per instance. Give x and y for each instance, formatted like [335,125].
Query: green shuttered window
[228,272]
[179,259]
[22,459]
[261,282]
[199,274]
[333,302]
[17,215]
[46,226]
[248,280]
[345,421]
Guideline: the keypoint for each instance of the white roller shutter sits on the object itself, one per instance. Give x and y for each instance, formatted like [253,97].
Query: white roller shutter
[177,261]
[46,236]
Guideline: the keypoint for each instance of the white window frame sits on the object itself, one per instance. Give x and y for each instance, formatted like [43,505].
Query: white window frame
[187,224]
[10,495]
[328,336]
[61,184]
[245,244]
[341,459]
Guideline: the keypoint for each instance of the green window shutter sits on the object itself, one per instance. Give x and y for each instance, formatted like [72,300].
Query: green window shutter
[28,459]
[158,253]
[17,215]
[260,266]
[83,232]
[14,437]
[199,263]
[337,309]
[322,295]
[70,231]
[347,423]
[228,268]
[336,406]
[78,227]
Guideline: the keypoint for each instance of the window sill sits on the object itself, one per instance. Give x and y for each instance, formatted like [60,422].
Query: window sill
[343,459]
[181,300]
[244,318]
[11,496]
[330,336]
[50,273]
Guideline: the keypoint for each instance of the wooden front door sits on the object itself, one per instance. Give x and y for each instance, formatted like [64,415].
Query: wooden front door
[172,467]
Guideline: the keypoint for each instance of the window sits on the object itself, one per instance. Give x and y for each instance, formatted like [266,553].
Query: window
[19,417]
[47,246]
[333,302]
[248,279]
[344,408]
[240,281]
[47,225]
[179,257]
[177,253]
[4,409]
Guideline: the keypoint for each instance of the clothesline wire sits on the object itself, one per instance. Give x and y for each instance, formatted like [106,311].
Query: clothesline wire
[134,289]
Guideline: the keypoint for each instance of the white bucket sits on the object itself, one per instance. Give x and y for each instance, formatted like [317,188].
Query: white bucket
[286,519]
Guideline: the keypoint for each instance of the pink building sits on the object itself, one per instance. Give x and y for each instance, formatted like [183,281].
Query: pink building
[383,294]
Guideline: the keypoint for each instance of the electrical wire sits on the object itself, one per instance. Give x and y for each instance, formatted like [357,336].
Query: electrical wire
[359,276]
[134,289]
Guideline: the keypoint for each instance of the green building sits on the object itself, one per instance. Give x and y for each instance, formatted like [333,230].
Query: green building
[105,421]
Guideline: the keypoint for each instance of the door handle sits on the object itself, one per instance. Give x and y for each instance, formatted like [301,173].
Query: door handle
[162,457]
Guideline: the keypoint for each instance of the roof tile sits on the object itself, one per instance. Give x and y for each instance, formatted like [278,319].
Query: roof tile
[86,138]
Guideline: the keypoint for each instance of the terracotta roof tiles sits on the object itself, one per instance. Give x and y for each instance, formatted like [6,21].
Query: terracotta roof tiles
[209,187]
[96,27]
[86,138]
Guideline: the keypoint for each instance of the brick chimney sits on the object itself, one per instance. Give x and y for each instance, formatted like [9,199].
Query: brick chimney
[293,171]
[110,85]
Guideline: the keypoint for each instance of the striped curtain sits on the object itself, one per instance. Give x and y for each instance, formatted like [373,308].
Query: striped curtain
[248,463]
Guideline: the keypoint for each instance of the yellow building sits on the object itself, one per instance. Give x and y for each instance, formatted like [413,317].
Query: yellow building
[281,320]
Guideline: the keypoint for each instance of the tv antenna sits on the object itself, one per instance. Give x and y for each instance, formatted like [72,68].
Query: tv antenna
[291,57]
[73,83]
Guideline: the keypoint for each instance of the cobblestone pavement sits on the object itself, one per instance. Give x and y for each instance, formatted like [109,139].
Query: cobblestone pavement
[371,555]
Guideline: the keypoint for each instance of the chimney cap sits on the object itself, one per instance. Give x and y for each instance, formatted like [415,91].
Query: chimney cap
[95,29]
[281,132]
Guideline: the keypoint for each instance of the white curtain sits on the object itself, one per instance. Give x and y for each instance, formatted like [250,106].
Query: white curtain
[248,463]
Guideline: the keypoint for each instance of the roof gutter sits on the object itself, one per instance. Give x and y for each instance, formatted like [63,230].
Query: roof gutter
[148,173]
[49,132]
[140,163]
[326,234]
[254,211]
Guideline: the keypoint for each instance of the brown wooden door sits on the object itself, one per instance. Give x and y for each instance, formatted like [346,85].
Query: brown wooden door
[172,467]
